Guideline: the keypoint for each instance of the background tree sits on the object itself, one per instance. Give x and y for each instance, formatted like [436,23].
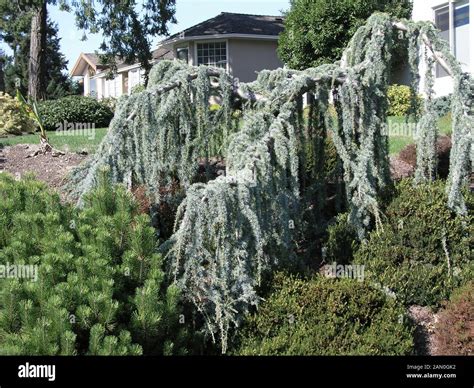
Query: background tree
[317,31]
[126,27]
[57,83]
[3,59]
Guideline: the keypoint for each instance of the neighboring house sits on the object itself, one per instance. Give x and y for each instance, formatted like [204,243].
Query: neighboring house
[240,43]
[94,75]
[453,18]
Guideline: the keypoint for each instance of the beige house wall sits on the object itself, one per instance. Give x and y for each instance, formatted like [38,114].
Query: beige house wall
[246,57]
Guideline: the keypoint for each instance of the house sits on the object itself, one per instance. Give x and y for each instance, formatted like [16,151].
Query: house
[452,18]
[241,44]
[93,75]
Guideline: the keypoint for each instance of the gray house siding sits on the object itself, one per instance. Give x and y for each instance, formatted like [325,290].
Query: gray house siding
[246,57]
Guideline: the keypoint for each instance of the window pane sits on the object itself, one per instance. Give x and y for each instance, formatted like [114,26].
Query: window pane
[212,54]
[442,23]
[461,34]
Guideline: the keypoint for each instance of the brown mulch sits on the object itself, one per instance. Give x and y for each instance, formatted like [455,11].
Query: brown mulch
[50,169]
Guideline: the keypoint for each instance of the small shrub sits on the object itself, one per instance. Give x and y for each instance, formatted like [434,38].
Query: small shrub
[399,100]
[12,120]
[214,107]
[408,154]
[326,317]
[342,241]
[74,109]
[109,102]
[424,250]
[443,105]
[100,287]
[454,331]
[138,89]
[443,151]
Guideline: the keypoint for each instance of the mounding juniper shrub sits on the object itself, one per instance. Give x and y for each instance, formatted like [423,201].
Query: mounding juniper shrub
[424,250]
[100,288]
[75,109]
[322,316]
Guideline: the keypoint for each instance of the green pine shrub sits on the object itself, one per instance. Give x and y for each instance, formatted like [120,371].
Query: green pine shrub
[74,109]
[399,100]
[324,316]
[100,287]
[12,119]
[424,250]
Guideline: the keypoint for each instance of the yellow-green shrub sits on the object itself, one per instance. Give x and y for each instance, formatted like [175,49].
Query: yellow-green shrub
[399,100]
[12,120]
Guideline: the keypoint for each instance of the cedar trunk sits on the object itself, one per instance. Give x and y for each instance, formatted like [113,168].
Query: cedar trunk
[36,68]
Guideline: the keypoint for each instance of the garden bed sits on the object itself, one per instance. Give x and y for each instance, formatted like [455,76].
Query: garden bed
[51,170]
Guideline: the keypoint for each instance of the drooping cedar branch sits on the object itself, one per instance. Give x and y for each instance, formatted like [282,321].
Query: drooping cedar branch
[230,230]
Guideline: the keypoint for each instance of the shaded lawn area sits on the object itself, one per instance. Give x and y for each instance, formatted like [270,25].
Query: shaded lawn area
[398,142]
[88,141]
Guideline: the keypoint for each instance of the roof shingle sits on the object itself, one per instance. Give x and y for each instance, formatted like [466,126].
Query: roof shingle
[235,23]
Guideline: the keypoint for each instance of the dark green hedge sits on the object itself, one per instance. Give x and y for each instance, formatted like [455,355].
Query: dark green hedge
[75,109]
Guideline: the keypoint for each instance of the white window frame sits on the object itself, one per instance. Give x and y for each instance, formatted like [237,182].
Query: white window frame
[226,41]
[452,6]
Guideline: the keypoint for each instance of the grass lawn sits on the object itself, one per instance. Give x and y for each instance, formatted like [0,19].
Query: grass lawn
[80,142]
[397,142]
[72,143]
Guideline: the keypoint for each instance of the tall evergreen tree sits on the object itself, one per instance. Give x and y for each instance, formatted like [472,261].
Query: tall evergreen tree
[126,28]
[317,31]
[57,83]
[3,60]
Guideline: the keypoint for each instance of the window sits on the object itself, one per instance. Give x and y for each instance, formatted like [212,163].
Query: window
[118,86]
[110,87]
[461,33]
[212,54]
[442,23]
[455,29]
[182,54]
[93,88]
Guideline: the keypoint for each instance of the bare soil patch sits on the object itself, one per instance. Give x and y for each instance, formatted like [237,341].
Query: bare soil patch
[50,169]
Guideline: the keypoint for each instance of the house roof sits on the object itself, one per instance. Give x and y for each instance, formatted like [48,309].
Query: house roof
[85,60]
[227,23]
[92,60]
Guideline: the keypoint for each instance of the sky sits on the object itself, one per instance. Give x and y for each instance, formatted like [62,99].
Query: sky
[188,13]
